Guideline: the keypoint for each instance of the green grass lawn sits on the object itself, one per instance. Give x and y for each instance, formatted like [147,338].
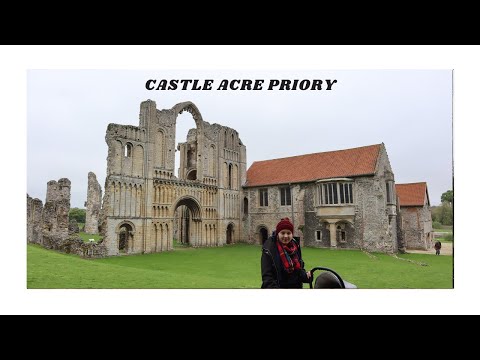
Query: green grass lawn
[86,237]
[228,267]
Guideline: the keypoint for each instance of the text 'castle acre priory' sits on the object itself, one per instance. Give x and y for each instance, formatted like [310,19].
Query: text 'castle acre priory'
[337,199]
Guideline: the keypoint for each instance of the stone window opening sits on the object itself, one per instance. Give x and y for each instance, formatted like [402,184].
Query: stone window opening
[285,196]
[128,150]
[389,188]
[319,235]
[263,195]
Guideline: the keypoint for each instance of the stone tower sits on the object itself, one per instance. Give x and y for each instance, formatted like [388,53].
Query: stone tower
[145,205]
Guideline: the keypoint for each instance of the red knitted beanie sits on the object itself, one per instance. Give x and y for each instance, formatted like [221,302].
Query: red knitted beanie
[284,224]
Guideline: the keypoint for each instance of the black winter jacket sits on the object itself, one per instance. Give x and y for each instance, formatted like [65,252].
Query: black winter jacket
[274,275]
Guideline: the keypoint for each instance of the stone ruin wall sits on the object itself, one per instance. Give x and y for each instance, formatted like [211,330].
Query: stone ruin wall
[49,226]
[93,204]
[34,220]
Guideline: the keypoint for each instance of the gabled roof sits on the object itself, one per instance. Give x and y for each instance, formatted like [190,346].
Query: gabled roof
[412,194]
[304,168]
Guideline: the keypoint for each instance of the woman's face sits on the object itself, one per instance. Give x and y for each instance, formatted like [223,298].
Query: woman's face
[285,236]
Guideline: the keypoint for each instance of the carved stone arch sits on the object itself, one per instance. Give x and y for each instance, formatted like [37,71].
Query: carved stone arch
[125,232]
[128,149]
[193,205]
[192,109]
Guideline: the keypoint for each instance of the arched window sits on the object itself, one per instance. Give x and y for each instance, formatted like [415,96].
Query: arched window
[128,150]
[230,167]
[245,206]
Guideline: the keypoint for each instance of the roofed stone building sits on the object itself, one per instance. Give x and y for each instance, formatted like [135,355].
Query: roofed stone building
[416,215]
[336,199]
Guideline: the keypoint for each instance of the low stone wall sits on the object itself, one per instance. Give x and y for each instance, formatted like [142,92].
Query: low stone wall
[75,245]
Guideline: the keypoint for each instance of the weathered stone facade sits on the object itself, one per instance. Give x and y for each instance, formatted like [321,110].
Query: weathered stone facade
[367,222]
[417,227]
[93,204]
[145,205]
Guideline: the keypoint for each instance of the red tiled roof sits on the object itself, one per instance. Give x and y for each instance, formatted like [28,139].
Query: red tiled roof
[311,167]
[412,194]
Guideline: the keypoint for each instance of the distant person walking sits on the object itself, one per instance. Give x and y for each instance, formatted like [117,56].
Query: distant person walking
[438,246]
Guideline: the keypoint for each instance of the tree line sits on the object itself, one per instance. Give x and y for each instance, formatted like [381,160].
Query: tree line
[443,214]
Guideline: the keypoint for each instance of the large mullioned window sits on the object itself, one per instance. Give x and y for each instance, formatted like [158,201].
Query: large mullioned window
[336,193]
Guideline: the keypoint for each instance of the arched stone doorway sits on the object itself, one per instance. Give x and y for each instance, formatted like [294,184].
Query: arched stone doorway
[263,234]
[125,237]
[230,234]
[188,221]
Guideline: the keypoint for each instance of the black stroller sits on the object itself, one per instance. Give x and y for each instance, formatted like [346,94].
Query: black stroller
[329,279]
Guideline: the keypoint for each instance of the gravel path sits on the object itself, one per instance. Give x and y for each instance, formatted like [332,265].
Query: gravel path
[447,249]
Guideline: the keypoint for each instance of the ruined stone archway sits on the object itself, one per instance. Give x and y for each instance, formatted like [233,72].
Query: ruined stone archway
[230,233]
[188,220]
[125,237]
[191,157]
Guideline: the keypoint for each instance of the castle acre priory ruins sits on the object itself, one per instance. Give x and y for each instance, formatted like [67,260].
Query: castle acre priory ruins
[336,199]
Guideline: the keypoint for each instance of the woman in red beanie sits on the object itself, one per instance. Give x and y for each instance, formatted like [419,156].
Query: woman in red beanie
[282,264]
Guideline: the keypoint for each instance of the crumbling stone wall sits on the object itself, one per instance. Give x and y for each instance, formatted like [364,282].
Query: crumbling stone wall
[75,245]
[34,220]
[55,212]
[49,226]
[93,204]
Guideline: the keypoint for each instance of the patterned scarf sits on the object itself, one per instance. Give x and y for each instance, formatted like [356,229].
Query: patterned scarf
[289,256]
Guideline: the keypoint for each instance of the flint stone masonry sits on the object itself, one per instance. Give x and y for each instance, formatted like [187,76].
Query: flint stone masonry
[73,227]
[417,227]
[34,220]
[93,204]
[75,245]
[49,226]
[55,212]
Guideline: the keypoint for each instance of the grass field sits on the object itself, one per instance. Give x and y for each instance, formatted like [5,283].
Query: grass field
[228,267]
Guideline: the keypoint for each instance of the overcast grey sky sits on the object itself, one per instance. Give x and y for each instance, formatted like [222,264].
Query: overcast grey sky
[408,110]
